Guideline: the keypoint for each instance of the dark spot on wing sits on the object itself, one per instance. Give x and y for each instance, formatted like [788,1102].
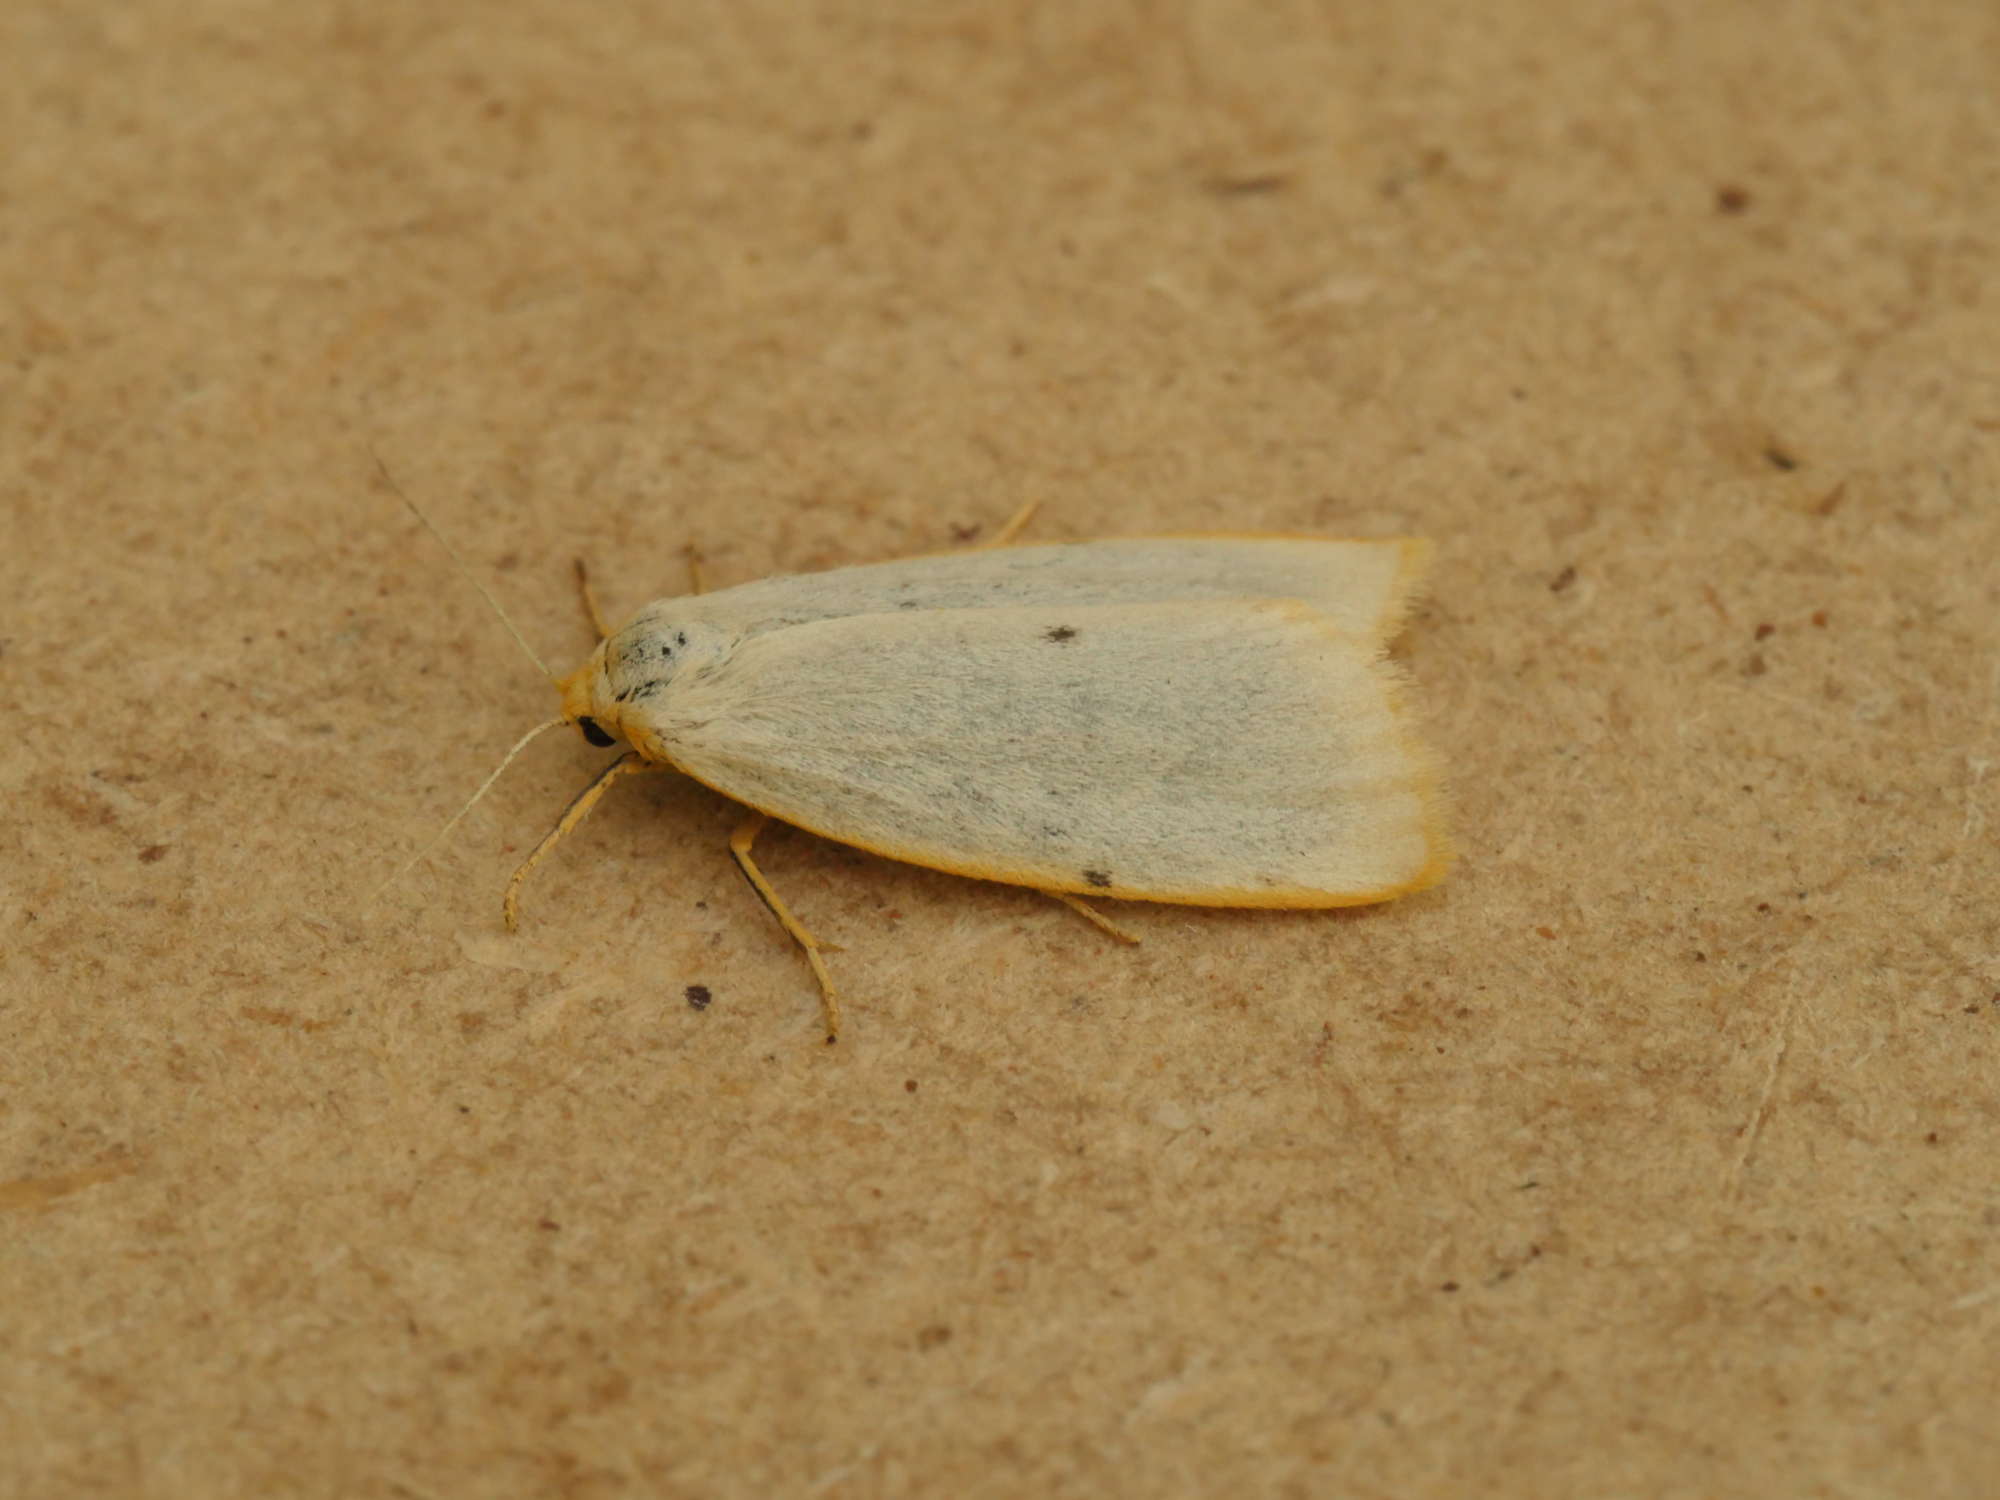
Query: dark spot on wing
[906,604]
[1098,878]
[1060,634]
[698,996]
[1051,831]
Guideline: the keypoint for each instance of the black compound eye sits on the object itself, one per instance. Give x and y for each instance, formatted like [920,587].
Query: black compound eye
[595,735]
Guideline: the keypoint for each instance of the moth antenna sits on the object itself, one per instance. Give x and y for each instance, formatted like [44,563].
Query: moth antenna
[470,802]
[470,577]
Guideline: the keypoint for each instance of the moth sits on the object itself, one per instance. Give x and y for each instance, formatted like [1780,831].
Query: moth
[1205,720]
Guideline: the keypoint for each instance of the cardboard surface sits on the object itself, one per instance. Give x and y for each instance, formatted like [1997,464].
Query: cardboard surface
[1651,1153]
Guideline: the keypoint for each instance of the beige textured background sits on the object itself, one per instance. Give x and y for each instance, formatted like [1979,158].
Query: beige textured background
[1652,1153]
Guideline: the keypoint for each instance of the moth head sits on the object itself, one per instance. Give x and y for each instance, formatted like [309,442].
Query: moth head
[623,689]
[581,697]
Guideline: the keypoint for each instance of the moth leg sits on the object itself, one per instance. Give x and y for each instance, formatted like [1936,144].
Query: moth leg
[590,600]
[739,849]
[1093,916]
[628,764]
[697,579]
[1016,525]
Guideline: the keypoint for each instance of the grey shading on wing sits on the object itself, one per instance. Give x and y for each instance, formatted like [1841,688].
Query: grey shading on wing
[1360,586]
[1223,753]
